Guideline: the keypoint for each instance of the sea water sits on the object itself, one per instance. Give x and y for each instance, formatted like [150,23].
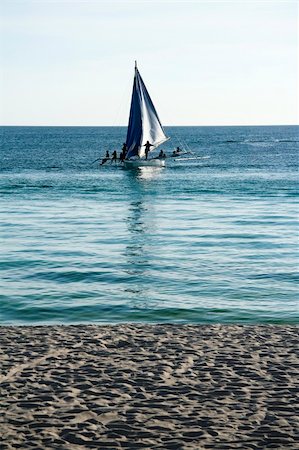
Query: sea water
[211,238]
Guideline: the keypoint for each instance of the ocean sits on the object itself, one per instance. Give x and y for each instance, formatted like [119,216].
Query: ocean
[208,239]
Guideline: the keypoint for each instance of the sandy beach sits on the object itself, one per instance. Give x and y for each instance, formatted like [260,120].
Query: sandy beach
[149,386]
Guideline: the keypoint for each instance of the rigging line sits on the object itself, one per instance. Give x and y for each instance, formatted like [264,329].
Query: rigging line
[178,138]
[120,109]
[183,143]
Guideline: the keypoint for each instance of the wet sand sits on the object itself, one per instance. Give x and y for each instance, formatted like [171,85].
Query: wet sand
[149,386]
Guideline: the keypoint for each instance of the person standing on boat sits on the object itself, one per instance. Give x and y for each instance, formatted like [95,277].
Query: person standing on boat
[114,156]
[147,146]
[124,150]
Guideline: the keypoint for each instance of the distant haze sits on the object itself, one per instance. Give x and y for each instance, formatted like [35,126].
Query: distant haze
[204,62]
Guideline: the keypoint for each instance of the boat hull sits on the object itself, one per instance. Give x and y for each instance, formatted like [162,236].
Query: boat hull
[133,164]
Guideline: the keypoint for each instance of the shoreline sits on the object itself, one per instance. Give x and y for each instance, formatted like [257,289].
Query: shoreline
[171,386]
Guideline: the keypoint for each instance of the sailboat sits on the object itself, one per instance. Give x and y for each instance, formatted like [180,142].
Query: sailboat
[145,132]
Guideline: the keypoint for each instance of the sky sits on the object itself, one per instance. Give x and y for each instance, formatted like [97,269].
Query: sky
[203,62]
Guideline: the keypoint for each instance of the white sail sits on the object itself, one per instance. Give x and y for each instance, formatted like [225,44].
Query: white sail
[144,123]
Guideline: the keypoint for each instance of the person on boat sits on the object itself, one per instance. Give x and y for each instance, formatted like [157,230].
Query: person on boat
[124,150]
[178,149]
[174,153]
[147,146]
[161,155]
[121,157]
[114,156]
[105,159]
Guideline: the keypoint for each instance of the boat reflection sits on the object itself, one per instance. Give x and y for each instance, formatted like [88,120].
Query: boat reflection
[145,173]
[149,173]
[141,227]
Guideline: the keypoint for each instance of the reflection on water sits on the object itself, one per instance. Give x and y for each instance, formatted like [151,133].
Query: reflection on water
[141,228]
[146,173]
[136,251]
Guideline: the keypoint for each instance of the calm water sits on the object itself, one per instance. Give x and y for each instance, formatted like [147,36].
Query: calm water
[203,240]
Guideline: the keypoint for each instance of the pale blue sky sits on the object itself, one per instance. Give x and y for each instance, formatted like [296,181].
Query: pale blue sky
[204,62]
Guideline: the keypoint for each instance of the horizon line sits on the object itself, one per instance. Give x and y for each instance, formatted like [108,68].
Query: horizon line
[125,126]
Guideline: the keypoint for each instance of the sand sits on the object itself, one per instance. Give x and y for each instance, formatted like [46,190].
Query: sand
[149,386]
